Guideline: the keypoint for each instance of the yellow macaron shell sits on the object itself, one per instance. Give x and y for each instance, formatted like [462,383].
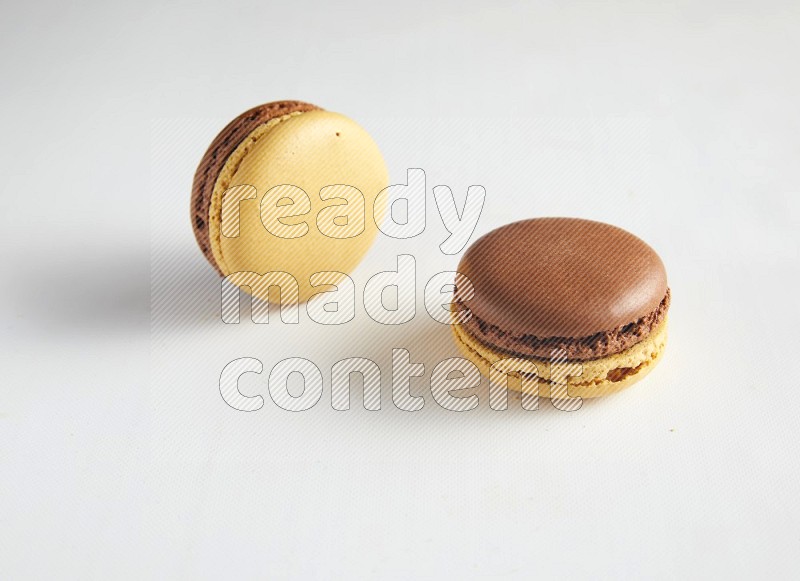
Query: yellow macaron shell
[309,151]
[598,376]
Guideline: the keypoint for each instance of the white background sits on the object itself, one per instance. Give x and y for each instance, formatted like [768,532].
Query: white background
[118,457]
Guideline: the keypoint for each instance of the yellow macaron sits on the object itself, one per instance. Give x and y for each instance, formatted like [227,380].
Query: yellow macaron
[287,187]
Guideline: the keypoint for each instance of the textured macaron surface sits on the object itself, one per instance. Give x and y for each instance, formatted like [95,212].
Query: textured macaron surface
[588,287]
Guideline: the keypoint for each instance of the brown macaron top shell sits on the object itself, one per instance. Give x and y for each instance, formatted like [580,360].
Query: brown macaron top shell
[217,154]
[588,287]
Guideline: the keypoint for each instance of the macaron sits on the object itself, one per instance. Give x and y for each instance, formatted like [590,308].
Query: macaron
[585,294]
[287,187]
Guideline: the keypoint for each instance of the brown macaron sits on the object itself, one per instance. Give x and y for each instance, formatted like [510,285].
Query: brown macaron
[577,290]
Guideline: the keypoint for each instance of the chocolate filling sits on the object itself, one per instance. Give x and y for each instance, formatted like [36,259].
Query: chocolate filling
[594,346]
